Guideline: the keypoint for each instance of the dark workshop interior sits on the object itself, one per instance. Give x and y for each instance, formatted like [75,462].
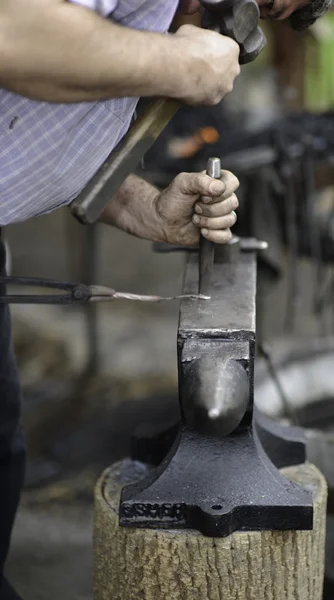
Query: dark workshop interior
[102,381]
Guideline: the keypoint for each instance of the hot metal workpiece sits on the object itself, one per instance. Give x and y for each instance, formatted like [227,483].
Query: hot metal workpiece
[215,475]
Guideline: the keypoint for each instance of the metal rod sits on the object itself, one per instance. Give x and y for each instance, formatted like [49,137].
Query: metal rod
[292,240]
[308,171]
[91,310]
[289,409]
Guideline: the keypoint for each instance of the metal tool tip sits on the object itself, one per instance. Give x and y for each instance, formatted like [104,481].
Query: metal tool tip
[214,167]
[203,297]
[214,413]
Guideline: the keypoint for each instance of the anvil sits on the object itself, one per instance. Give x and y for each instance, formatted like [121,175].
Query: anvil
[218,471]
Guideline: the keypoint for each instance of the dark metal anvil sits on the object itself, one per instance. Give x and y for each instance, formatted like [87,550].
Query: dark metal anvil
[218,470]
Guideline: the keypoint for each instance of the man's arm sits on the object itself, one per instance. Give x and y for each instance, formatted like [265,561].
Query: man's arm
[56,51]
[193,202]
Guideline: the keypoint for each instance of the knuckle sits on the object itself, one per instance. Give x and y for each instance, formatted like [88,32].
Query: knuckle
[227,206]
[199,183]
[236,182]
[232,203]
[228,222]
[185,29]
[208,211]
[212,210]
[232,43]
[181,176]
[232,182]
[214,100]
[180,181]
[228,176]
[228,235]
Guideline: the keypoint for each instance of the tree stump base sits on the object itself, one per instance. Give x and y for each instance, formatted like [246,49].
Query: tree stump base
[146,564]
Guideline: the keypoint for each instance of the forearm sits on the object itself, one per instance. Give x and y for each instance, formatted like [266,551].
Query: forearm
[55,51]
[133,209]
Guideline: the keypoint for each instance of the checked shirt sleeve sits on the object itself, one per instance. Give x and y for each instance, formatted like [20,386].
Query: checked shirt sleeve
[102,7]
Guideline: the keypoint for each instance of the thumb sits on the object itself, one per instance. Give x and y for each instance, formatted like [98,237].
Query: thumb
[199,184]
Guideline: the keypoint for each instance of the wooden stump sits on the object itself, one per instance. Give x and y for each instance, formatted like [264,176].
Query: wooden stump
[143,564]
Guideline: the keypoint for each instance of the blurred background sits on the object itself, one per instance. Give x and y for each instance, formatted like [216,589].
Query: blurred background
[89,376]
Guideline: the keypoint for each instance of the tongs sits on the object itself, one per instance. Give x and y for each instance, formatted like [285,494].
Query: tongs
[76,293]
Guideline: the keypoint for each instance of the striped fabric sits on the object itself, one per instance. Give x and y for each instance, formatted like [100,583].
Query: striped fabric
[48,152]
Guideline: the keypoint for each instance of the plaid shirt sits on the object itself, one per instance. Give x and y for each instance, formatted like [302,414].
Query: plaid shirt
[48,152]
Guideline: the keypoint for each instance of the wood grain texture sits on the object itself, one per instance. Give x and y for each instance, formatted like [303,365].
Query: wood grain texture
[133,564]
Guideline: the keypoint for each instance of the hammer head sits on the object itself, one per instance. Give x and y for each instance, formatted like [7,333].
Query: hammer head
[239,20]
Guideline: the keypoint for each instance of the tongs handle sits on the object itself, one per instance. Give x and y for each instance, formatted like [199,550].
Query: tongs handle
[76,293]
